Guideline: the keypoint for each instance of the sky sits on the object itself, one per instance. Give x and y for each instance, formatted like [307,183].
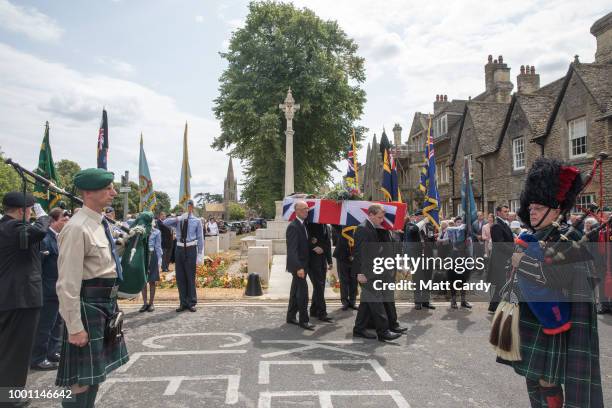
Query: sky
[155,65]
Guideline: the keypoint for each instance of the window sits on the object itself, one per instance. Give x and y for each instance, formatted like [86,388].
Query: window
[577,137]
[515,205]
[582,202]
[518,153]
[440,126]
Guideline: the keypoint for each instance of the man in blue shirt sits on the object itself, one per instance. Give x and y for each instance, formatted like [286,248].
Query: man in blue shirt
[189,250]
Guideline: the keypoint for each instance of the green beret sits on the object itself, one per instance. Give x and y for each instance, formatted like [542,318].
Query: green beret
[93,179]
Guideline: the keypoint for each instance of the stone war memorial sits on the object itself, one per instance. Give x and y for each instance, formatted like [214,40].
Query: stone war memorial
[328,205]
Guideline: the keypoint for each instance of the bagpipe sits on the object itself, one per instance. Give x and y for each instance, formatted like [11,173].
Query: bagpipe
[542,283]
[132,243]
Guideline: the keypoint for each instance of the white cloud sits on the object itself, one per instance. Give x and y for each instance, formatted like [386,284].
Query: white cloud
[29,21]
[120,67]
[199,19]
[72,103]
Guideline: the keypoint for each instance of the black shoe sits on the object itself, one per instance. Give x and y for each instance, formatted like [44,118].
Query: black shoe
[388,335]
[293,321]
[454,305]
[418,306]
[429,306]
[143,308]
[493,307]
[192,308]
[151,307]
[399,329]
[465,304]
[307,326]
[181,309]
[326,319]
[364,334]
[352,306]
[345,307]
[44,365]
[54,358]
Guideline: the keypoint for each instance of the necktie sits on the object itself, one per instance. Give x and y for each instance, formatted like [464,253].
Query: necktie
[112,247]
[184,230]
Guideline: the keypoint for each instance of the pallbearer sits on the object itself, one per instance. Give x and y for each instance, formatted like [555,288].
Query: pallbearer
[89,272]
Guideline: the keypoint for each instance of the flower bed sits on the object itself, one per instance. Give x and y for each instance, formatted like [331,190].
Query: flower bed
[212,274]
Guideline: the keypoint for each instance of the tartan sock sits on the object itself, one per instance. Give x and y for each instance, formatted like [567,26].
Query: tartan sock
[553,396]
[533,390]
[91,395]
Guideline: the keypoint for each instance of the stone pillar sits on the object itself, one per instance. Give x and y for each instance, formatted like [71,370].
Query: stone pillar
[289,108]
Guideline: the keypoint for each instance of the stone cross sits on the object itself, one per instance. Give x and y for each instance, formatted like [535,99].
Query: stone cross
[289,108]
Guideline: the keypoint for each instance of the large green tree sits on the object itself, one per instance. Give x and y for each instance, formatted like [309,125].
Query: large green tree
[66,169]
[9,180]
[281,47]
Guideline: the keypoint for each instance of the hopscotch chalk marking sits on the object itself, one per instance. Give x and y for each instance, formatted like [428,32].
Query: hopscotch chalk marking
[135,356]
[325,397]
[311,345]
[242,339]
[174,382]
[317,365]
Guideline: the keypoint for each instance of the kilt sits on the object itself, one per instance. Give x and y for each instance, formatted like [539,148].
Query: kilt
[570,358]
[91,364]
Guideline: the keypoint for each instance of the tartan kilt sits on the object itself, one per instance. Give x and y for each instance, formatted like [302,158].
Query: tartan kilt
[570,358]
[91,364]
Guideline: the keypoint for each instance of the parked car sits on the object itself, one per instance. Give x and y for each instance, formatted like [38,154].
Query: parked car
[246,227]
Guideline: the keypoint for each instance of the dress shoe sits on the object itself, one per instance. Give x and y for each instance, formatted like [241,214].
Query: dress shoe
[307,326]
[388,335]
[192,308]
[465,304]
[352,306]
[150,308]
[399,329]
[418,306]
[293,321]
[181,309]
[326,319]
[44,365]
[454,305]
[344,307]
[143,308]
[364,334]
[54,357]
[428,305]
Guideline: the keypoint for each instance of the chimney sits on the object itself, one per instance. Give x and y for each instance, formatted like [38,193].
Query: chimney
[497,80]
[528,81]
[397,135]
[602,30]
[440,103]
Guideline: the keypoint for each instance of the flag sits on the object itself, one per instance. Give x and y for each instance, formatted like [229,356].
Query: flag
[102,148]
[46,168]
[145,185]
[390,185]
[346,212]
[468,205]
[352,173]
[428,184]
[185,188]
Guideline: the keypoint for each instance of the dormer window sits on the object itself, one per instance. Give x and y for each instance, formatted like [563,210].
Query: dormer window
[440,126]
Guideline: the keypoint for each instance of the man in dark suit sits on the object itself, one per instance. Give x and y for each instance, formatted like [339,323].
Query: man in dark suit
[167,240]
[372,305]
[298,251]
[344,262]
[47,343]
[319,262]
[21,289]
[503,246]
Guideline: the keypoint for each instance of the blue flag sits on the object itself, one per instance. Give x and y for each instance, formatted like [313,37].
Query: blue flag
[468,205]
[390,184]
[102,148]
[428,184]
[148,200]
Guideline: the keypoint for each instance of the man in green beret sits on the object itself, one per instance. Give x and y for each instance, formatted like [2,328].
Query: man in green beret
[89,272]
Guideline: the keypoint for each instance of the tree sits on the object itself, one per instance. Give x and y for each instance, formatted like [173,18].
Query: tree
[163,202]
[280,47]
[235,211]
[66,169]
[202,198]
[9,179]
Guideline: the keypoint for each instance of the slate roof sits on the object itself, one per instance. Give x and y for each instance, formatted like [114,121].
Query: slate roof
[598,80]
[537,109]
[488,120]
[456,105]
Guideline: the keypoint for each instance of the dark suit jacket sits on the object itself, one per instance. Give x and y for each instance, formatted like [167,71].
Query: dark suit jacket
[297,247]
[342,252]
[166,234]
[503,247]
[20,269]
[364,252]
[319,236]
[49,265]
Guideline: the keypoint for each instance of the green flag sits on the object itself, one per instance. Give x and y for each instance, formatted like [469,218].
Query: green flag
[46,168]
